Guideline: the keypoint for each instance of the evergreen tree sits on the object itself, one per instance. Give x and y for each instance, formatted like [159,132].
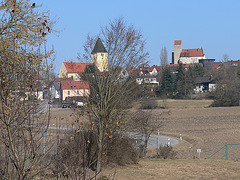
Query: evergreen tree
[166,84]
[180,80]
[197,70]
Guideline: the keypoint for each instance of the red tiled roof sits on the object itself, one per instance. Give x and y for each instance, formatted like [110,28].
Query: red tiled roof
[236,63]
[177,42]
[215,66]
[73,67]
[192,52]
[74,85]
[133,71]
[152,67]
[62,79]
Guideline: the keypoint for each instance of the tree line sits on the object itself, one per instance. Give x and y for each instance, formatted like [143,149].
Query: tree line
[183,81]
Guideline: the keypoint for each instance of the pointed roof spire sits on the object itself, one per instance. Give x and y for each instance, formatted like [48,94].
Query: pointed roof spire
[99,47]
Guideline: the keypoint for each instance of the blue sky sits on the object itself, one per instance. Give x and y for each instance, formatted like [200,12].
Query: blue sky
[213,25]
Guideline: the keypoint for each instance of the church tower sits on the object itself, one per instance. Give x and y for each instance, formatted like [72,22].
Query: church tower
[177,50]
[100,56]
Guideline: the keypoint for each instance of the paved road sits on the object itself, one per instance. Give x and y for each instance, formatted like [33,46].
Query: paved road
[154,140]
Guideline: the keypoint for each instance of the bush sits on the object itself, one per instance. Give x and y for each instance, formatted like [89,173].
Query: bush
[79,151]
[226,96]
[166,152]
[149,104]
[227,87]
[121,151]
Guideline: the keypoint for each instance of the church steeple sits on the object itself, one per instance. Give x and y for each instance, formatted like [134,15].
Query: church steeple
[99,56]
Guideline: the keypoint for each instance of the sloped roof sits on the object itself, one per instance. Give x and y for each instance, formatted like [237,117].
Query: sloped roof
[236,63]
[74,85]
[204,79]
[74,67]
[133,71]
[156,67]
[99,47]
[62,79]
[192,53]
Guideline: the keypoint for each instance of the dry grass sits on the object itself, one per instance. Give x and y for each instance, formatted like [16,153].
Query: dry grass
[210,127]
[176,103]
[177,169]
[64,117]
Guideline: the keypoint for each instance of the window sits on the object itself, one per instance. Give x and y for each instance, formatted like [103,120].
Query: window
[77,92]
[102,55]
[84,93]
[68,92]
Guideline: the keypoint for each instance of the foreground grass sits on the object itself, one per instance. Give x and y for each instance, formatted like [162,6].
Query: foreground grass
[177,169]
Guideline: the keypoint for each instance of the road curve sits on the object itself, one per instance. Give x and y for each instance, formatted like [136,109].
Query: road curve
[154,140]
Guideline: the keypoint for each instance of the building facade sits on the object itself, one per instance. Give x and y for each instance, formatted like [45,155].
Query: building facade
[186,56]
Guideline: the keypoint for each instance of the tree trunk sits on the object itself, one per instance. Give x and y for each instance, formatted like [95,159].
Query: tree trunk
[100,146]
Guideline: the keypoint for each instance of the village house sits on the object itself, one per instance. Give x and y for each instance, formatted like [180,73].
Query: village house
[72,70]
[74,89]
[204,84]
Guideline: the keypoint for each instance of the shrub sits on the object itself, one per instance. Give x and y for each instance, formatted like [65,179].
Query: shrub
[79,151]
[121,151]
[149,104]
[166,152]
[226,96]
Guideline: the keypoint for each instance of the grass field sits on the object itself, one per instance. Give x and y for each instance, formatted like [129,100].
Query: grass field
[209,127]
[176,103]
[177,169]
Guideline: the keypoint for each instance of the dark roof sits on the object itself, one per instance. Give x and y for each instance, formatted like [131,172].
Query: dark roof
[204,79]
[99,47]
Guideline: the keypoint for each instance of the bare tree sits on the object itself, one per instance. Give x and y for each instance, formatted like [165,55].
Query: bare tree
[23,31]
[225,58]
[144,123]
[112,91]
[163,57]
[164,73]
